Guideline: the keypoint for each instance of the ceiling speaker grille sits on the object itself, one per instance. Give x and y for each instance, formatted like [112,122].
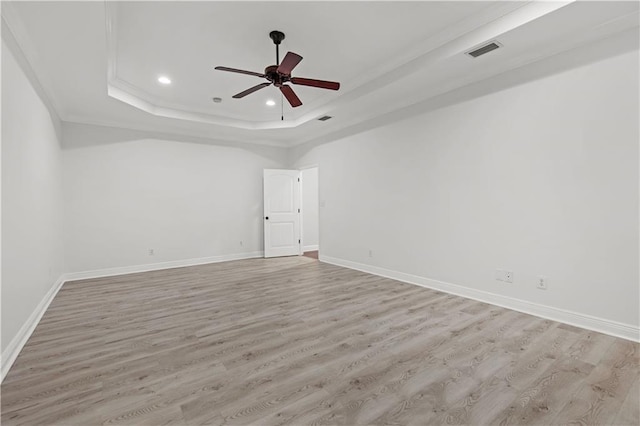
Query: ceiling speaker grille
[325,118]
[485,49]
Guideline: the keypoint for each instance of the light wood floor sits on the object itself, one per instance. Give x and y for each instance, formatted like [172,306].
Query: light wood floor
[312,254]
[295,341]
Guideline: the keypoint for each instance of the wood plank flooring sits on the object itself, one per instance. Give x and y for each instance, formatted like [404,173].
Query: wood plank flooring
[312,254]
[296,341]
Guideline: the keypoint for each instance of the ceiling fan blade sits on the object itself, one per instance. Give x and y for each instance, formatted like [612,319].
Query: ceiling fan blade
[289,63]
[251,90]
[332,85]
[291,96]
[257,74]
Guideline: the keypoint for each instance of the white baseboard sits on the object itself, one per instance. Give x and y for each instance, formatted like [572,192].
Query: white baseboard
[310,248]
[11,352]
[123,270]
[601,325]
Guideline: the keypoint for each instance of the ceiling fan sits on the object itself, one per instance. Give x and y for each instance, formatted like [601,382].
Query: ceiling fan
[280,74]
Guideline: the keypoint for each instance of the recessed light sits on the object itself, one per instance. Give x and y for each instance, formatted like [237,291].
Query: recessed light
[217,100]
[271,102]
[164,80]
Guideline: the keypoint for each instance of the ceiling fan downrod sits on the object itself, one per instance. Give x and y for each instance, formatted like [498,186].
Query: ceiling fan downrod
[277,37]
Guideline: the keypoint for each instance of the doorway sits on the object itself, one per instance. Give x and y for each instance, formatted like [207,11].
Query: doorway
[310,223]
[291,212]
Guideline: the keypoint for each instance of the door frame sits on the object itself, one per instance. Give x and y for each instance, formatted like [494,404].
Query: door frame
[300,169]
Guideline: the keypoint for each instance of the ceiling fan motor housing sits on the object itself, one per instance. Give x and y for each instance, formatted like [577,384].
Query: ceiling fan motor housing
[274,76]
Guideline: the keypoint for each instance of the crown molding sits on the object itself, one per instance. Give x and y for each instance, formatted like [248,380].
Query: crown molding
[15,37]
[465,34]
[614,35]
[185,136]
[454,40]
[624,39]
[130,94]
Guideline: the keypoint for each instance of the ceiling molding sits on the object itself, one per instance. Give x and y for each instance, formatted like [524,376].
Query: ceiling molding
[426,70]
[602,31]
[618,43]
[128,93]
[15,37]
[99,132]
[460,45]
[460,37]
[152,130]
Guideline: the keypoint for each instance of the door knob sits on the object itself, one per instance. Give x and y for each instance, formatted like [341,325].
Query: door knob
[266,218]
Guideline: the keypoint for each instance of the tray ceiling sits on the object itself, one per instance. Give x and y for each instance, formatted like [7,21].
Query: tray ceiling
[99,62]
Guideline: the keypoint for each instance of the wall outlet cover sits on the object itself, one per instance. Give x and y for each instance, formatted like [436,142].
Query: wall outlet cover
[542,282]
[504,275]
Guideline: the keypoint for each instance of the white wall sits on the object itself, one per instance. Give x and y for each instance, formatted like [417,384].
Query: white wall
[310,208]
[32,249]
[540,179]
[183,200]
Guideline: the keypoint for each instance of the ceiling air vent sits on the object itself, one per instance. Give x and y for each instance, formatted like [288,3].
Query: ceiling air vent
[325,118]
[484,49]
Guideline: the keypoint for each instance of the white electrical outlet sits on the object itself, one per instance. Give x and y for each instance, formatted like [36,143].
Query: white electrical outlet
[503,275]
[508,276]
[151,252]
[370,253]
[241,243]
[542,282]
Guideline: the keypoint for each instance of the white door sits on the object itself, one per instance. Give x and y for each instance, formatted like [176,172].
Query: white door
[281,213]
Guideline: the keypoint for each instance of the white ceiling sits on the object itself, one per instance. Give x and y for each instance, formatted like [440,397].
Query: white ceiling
[99,62]
[324,34]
